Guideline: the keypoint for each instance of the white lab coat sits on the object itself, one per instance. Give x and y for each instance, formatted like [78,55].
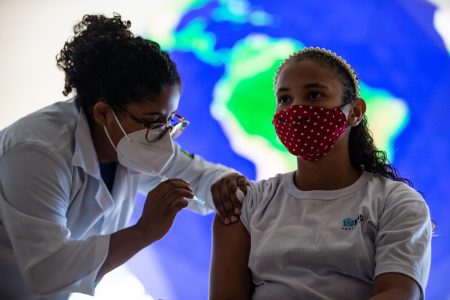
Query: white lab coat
[56,213]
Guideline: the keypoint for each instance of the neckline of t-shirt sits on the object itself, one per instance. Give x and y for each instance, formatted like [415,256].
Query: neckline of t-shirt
[288,181]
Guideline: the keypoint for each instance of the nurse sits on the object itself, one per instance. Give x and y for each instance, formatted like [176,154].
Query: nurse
[69,173]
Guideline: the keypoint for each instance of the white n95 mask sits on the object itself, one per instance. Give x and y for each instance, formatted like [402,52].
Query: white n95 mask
[136,153]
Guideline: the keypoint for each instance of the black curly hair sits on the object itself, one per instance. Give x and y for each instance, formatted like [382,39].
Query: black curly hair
[364,155]
[105,61]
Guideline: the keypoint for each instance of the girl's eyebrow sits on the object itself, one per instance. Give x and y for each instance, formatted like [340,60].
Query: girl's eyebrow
[282,89]
[314,85]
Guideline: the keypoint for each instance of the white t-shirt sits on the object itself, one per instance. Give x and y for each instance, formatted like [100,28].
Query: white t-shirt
[56,213]
[332,244]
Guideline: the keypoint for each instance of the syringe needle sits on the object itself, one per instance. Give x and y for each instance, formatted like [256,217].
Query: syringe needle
[195,198]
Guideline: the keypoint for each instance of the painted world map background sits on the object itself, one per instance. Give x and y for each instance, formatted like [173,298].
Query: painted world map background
[227,53]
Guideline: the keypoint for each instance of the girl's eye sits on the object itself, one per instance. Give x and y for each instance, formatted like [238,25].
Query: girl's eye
[283,100]
[313,95]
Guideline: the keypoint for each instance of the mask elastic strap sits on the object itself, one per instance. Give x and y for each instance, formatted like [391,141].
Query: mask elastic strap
[121,128]
[109,138]
[346,110]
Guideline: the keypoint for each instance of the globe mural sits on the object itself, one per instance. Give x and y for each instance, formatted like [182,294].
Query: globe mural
[228,53]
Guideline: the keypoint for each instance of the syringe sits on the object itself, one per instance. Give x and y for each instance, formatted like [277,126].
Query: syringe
[195,198]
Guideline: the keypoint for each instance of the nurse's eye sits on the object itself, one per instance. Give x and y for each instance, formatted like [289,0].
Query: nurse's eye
[152,124]
[313,95]
[283,100]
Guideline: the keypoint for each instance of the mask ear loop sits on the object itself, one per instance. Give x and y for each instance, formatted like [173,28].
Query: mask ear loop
[121,128]
[346,110]
[109,138]
[120,125]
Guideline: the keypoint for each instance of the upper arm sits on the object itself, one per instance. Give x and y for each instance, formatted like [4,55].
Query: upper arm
[395,286]
[403,243]
[35,186]
[34,195]
[230,277]
[36,182]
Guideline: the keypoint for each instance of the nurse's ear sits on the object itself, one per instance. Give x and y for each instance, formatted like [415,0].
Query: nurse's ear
[357,111]
[101,113]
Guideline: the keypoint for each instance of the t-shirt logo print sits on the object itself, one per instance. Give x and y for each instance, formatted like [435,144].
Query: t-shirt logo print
[350,223]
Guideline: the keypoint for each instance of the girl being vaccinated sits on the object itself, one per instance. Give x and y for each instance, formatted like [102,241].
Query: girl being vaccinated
[344,224]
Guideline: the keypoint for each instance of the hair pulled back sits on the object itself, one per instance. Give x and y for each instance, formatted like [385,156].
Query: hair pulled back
[105,61]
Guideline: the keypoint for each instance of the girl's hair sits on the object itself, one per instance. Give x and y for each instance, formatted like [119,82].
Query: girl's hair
[105,61]
[364,155]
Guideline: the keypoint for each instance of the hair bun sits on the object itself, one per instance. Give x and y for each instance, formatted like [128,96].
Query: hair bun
[104,60]
[95,26]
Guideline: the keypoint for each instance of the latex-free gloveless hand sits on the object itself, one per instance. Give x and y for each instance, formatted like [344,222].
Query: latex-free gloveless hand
[226,198]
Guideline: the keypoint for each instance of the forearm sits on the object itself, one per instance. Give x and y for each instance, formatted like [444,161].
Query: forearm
[72,267]
[123,245]
[160,208]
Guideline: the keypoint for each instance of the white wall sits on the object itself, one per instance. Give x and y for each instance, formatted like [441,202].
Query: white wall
[33,31]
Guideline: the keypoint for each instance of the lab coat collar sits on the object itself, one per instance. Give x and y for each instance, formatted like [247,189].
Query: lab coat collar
[85,155]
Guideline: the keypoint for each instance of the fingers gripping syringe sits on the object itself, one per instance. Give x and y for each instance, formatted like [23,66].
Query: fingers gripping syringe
[195,198]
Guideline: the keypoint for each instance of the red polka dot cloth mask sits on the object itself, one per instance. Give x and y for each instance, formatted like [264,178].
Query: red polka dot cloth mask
[309,132]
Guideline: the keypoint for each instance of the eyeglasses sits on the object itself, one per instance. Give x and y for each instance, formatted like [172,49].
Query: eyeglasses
[155,131]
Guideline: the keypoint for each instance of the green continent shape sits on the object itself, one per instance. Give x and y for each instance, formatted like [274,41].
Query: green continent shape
[249,80]
[162,28]
[387,117]
[240,11]
[193,38]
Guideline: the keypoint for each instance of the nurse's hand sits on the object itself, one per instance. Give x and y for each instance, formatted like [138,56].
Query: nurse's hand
[228,206]
[161,206]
